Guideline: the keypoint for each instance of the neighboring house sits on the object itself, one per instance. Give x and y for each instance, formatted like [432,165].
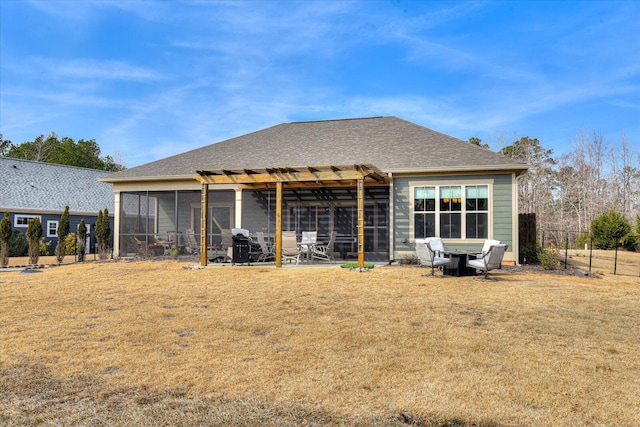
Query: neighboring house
[31,189]
[416,183]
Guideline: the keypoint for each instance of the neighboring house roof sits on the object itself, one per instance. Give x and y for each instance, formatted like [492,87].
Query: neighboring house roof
[28,186]
[389,143]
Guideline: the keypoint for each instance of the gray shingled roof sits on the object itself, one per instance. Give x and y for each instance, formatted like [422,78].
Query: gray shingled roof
[28,186]
[389,143]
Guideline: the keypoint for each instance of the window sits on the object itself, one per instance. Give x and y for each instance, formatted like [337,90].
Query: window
[451,211]
[477,211]
[52,228]
[23,221]
[424,208]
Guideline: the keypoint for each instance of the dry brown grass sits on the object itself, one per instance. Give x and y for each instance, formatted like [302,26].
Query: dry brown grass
[151,343]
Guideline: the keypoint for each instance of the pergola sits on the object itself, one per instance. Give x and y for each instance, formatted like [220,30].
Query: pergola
[289,177]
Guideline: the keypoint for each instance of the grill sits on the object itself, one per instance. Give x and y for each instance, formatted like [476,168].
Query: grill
[244,250]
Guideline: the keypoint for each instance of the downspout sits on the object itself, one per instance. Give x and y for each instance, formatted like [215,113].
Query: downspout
[116,225]
[392,228]
[516,221]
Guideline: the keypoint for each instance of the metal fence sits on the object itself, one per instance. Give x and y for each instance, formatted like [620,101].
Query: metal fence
[574,249]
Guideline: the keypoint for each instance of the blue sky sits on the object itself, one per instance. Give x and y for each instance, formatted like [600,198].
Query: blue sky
[149,79]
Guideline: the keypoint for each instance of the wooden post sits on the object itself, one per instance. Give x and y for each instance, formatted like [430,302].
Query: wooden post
[278,224]
[361,223]
[204,209]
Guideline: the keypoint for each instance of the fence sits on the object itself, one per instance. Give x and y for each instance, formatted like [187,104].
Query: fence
[575,249]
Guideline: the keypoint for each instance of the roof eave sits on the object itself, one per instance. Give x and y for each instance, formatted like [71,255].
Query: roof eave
[518,169]
[148,178]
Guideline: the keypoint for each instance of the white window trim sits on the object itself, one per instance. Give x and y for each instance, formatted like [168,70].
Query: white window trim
[463,219]
[30,218]
[57,223]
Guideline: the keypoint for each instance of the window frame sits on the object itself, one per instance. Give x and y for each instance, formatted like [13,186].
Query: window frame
[437,185]
[29,218]
[49,223]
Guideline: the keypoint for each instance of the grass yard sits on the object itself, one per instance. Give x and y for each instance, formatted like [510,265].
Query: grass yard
[153,343]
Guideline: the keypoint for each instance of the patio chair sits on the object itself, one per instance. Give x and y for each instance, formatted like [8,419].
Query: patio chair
[490,260]
[324,252]
[427,255]
[290,249]
[488,243]
[267,253]
[436,245]
[192,245]
[150,246]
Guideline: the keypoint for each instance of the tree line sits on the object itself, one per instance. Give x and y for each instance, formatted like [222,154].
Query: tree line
[63,151]
[597,177]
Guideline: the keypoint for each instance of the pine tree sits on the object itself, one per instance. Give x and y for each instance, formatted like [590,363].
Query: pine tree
[63,230]
[82,238]
[34,234]
[5,237]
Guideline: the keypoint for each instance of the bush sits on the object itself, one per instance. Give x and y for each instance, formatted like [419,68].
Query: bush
[548,258]
[608,229]
[530,254]
[583,239]
[70,244]
[44,247]
[631,242]
[17,243]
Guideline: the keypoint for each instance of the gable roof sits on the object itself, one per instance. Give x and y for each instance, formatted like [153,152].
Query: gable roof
[389,143]
[29,186]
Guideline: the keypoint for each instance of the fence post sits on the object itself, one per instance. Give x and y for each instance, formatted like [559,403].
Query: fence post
[566,250]
[615,261]
[590,251]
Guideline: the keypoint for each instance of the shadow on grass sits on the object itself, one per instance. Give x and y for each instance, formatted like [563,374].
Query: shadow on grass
[32,396]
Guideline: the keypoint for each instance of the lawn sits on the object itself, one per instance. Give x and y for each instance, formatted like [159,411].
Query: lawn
[154,343]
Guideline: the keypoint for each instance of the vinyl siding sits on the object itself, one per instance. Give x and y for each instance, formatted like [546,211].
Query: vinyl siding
[502,200]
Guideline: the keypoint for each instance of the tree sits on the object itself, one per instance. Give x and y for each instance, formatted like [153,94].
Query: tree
[63,230]
[5,144]
[5,236]
[477,141]
[535,188]
[63,151]
[608,229]
[34,234]
[103,233]
[82,238]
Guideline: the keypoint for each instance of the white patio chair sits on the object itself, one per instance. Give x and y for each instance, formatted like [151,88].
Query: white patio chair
[290,249]
[267,253]
[436,245]
[426,255]
[490,260]
[324,252]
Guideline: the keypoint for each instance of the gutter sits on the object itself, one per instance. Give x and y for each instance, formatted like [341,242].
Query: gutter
[519,169]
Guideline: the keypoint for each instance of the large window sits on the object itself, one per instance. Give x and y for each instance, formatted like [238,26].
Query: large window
[22,221]
[451,211]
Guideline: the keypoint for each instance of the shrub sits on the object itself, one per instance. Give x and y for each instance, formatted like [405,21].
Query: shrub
[608,229]
[530,254]
[583,239]
[70,244]
[82,238]
[63,231]
[548,258]
[44,247]
[5,236]
[34,234]
[17,243]
[631,242]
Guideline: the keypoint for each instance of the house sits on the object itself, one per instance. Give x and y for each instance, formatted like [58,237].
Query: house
[31,189]
[379,182]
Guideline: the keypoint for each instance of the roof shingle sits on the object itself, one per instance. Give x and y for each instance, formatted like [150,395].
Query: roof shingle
[389,143]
